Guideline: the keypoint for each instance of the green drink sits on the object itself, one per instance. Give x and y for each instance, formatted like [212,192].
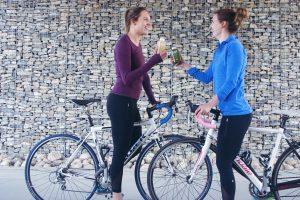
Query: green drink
[177,59]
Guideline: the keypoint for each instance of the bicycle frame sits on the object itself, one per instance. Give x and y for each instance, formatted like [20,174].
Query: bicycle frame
[153,127]
[263,185]
[151,131]
[248,173]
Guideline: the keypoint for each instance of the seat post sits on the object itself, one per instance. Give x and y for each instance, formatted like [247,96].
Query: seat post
[283,121]
[87,112]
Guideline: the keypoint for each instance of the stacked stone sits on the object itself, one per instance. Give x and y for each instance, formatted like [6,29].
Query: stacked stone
[55,51]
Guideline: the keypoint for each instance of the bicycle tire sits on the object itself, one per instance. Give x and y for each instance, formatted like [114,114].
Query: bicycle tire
[37,157]
[194,143]
[286,167]
[142,187]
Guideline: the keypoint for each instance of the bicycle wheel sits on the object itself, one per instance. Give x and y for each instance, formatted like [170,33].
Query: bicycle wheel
[46,175]
[143,161]
[182,155]
[286,174]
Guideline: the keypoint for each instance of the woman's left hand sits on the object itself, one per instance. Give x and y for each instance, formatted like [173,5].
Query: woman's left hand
[203,109]
[155,103]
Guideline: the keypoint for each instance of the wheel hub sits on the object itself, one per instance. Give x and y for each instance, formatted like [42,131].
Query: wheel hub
[56,177]
[189,180]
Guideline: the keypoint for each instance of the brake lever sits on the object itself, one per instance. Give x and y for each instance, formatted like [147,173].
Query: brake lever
[176,109]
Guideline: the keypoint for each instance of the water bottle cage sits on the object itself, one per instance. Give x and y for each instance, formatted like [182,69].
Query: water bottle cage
[264,159]
[246,157]
[104,150]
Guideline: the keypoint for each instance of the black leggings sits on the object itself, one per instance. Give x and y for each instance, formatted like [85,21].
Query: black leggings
[230,138]
[123,112]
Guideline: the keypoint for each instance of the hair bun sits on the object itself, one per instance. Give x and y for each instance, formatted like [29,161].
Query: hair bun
[240,15]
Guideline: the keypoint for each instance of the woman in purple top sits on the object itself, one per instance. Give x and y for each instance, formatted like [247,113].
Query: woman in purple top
[131,76]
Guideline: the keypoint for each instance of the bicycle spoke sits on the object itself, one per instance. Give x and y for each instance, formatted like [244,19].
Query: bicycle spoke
[182,157]
[45,188]
[75,182]
[83,183]
[74,193]
[68,194]
[41,178]
[51,192]
[56,193]
[78,189]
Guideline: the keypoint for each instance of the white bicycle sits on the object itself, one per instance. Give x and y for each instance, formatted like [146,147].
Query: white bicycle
[64,166]
[187,171]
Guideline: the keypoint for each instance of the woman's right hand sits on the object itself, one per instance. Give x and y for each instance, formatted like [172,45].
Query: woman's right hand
[163,54]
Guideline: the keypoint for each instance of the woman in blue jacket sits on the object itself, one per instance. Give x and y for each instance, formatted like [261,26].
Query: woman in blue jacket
[227,71]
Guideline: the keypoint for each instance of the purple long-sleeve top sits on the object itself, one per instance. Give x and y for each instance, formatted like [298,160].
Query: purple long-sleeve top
[131,70]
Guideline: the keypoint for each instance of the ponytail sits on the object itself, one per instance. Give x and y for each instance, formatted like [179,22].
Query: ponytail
[233,18]
[240,15]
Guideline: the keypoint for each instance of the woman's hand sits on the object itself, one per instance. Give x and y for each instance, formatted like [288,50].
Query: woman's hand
[182,64]
[155,103]
[163,54]
[203,109]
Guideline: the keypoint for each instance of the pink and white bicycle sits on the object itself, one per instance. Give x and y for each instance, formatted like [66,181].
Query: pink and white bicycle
[182,169]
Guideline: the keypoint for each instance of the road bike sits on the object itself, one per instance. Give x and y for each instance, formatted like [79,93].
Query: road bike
[65,166]
[187,171]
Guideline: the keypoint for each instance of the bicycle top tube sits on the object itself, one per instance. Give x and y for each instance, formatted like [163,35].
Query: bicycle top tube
[160,106]
[207,123]
[290,113]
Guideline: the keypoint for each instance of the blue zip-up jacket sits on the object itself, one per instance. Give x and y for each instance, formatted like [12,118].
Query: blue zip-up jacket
[227,71]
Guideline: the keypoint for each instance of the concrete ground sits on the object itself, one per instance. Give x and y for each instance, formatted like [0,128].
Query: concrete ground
[13,187]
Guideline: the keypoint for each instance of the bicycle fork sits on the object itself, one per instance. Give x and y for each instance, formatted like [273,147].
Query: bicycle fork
[202,154]
[157,141]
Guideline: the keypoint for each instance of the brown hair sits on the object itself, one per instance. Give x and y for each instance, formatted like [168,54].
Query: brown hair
[233,18]
[132,14]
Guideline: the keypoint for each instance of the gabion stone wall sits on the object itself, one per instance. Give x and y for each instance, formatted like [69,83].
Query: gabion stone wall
[53,51]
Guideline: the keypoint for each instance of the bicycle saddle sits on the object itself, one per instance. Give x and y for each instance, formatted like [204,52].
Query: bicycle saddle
[290,113]
[85,102]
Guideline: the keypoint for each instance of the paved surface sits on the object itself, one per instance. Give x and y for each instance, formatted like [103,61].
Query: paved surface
[13,187]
